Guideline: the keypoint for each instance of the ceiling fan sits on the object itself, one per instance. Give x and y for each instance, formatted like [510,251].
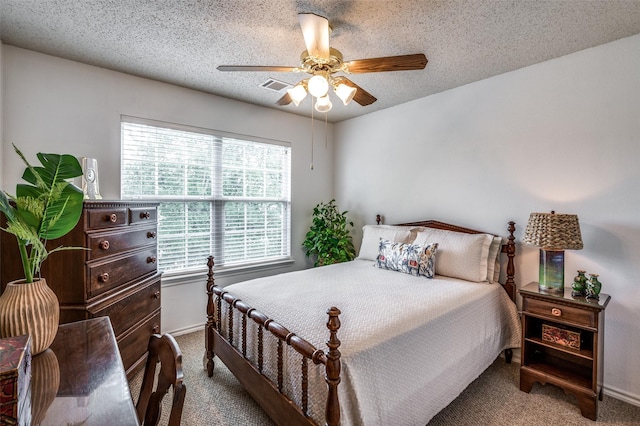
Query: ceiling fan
[322,62]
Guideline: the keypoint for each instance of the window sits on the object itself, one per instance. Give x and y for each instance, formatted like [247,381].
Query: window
[219,194]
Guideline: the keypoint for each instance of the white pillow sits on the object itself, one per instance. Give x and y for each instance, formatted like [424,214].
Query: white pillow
[460,255]
[372,234]
[493,259]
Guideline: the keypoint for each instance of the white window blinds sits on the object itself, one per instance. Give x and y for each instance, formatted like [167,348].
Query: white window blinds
[218,194]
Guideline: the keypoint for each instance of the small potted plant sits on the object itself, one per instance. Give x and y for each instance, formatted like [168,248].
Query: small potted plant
[48,206]
[329,240]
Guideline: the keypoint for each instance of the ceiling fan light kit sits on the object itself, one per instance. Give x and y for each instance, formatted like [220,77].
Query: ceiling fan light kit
[323,103]
[318,86]
[344,92]
[298,92]
[322,61]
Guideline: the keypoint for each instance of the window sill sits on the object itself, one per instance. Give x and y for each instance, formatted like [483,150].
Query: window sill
[180,277]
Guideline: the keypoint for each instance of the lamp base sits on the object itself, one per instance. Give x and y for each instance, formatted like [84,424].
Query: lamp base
[551,278]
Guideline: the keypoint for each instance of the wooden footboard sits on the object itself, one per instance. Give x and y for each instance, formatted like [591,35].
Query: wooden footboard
[268,394]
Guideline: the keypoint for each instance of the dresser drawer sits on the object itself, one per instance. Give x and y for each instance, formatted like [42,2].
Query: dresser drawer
[139,215]
[107,218]
[108,243]
[133,308]
[111,273]
[134,344]
[559,312]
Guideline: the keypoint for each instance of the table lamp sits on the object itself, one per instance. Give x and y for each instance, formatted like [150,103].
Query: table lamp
[553,233]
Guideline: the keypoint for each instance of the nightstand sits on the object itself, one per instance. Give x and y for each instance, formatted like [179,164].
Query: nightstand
[562,344]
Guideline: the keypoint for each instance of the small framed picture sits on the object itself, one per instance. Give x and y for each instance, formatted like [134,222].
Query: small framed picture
[90,185]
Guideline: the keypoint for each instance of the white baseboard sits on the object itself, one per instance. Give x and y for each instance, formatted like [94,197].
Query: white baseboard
[186,330]
[622,395]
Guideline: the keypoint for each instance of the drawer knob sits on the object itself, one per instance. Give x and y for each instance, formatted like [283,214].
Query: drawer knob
[156,328]
[556,312]
[151,259]
[113,218]
[145,215]
[151,234]
[104,277]
[156,295]
[104,245]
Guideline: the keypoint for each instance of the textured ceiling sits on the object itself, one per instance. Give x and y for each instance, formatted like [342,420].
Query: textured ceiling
[182,42]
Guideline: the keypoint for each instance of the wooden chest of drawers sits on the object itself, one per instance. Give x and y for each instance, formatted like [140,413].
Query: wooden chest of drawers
[114,275]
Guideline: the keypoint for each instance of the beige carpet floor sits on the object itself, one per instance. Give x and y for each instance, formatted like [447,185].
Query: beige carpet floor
[492,399]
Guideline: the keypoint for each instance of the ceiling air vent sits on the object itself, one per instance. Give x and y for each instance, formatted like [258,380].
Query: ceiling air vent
[275,85]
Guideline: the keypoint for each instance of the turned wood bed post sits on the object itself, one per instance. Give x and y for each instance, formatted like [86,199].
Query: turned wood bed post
[510,284]
[332,413]
[211,322]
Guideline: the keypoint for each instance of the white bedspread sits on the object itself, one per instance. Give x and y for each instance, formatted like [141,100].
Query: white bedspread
[410,345]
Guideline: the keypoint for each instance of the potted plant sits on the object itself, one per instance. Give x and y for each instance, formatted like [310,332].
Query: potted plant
[45,208]
[329,240]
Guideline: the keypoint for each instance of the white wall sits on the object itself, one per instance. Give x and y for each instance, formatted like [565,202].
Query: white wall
[561,135]
[56,105]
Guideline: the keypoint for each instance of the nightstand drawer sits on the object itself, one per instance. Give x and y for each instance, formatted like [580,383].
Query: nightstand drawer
[561,312]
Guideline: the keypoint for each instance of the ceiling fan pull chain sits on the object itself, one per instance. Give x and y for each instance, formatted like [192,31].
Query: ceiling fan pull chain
[311,165]
[325,130]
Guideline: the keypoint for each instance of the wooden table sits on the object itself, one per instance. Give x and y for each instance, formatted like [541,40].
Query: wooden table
[80,379]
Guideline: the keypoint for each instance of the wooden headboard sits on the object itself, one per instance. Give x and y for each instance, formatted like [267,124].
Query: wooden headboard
[509,248]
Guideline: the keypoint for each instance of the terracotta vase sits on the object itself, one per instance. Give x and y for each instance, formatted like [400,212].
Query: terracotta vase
[30,308]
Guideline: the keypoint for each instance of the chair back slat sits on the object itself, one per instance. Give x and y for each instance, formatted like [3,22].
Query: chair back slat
[163,350]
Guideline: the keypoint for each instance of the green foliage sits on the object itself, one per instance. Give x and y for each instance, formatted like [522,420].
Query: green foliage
[45,208]
[328,239]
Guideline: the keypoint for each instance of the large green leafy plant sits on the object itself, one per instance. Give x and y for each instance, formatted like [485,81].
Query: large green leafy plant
[329,240]
[46,207]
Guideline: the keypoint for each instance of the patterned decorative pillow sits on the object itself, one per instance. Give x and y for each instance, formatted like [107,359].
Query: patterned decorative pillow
[414,259]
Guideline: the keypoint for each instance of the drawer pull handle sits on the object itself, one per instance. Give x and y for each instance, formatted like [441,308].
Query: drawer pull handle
[104,277]
[104,245]
[156,328]
[151,259]
[556,312]
[113,218]
[145,215]
[156,295]
[151,234]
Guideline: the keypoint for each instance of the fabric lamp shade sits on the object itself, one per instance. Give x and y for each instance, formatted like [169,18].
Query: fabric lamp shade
[553,233]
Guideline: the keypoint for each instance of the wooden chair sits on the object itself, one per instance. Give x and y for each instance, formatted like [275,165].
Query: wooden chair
[164,350]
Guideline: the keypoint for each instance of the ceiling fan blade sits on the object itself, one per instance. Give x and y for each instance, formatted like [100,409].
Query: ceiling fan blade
[256,68]
[315,30]
[388,63]
[362,97]
[285,100]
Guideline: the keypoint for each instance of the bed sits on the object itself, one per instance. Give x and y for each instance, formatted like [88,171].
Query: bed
[400,345]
